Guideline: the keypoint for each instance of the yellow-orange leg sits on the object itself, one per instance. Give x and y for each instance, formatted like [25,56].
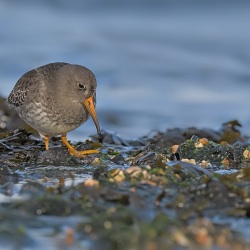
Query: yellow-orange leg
[76,153]
[46,141]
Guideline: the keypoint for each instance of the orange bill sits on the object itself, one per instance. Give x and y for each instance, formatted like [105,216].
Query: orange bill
[89,104]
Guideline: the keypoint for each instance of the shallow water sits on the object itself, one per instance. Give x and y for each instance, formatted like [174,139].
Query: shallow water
[158,65]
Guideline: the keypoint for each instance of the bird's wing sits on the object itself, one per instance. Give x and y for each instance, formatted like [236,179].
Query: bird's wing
[19,93]
[30,80]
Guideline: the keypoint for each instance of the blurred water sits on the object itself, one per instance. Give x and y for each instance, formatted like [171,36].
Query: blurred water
[159,64]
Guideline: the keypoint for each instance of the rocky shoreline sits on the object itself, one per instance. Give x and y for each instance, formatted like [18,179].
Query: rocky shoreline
[178,189]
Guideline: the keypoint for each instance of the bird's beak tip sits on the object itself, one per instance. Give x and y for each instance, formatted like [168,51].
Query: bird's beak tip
[89,104]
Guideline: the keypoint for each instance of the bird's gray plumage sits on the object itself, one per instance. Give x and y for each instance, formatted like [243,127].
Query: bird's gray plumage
[33,77]
[48,98]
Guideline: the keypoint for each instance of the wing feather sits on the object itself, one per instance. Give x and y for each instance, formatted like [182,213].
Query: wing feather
[19,94]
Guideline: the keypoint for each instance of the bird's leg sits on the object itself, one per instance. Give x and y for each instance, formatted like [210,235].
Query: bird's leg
[76,153]
[46,141]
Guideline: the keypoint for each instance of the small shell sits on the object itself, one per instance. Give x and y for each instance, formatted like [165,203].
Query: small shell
[133,169]
[91,183]
[246,154]
[192,161]
[201,142]
[117,175]
[225,162]
[174,149]
[205,164]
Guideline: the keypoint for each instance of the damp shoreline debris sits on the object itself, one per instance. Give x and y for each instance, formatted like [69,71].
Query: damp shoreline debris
[161,191]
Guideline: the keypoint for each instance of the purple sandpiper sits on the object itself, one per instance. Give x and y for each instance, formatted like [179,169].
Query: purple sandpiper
[55,99]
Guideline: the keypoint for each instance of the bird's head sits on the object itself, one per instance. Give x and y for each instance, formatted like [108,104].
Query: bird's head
[80,88]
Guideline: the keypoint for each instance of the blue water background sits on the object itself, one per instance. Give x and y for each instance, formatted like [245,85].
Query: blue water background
[159,64]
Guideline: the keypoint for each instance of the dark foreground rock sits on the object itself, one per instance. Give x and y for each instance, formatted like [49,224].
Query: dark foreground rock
[162,191]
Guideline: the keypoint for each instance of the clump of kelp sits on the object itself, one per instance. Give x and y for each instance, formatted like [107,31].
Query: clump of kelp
[161,191]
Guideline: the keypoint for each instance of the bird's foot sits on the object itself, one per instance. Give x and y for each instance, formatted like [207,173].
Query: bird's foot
[82,154]
[76,153]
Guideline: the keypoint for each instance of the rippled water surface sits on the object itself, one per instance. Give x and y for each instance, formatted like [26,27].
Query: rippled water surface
[158,64]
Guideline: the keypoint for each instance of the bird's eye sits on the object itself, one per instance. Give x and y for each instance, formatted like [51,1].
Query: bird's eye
[81,86]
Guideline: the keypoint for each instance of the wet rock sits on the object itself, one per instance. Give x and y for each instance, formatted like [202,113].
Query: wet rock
[32,189]
[211,152]
[115,139]
[144,158]
[7,188]
[177,136]
[100,173]
[56,156]
[118,159]
[188,170]
[229,132]
[46,205]
[5,173]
